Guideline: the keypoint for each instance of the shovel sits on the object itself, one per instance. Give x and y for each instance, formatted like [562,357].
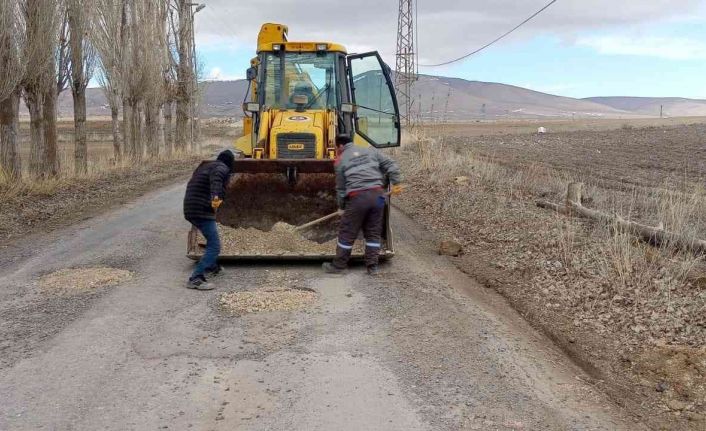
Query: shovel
[306,226]
[327,217]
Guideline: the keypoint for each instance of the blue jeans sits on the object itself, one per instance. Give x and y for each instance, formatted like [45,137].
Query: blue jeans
[213,246]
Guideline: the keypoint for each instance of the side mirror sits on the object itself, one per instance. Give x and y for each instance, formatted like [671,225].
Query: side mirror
[251,107]
[251,73]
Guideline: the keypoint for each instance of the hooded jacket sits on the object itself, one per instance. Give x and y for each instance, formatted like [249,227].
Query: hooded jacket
[208,181]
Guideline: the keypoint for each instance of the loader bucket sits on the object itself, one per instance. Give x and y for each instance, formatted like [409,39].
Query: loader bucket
[262,204]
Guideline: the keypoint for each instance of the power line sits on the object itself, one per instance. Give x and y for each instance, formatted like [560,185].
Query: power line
[494,41]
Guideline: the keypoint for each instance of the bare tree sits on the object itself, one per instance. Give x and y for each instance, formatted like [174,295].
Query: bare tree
[154,63]
[109,85]
[107,33]
[60,64]
[82,63]
[170,77]
[40,29]
[185,73]
[124,75]
[12,66]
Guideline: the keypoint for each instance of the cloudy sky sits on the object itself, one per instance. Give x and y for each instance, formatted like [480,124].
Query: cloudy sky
[577,48]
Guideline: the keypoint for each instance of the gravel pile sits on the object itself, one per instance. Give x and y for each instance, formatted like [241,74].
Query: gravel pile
[282,239]
[267,300]
[82,279]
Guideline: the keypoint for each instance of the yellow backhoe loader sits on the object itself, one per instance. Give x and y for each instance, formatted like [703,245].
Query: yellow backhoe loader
[301,95]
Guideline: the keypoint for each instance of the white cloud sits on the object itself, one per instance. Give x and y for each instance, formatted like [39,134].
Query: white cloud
[447,28]
[661,47]
[216,74]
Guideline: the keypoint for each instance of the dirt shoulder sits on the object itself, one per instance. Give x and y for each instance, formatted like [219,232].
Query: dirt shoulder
[631,315]
[41,208]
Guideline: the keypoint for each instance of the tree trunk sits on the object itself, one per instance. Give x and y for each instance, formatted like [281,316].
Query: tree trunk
[197,134]
[78,86]
[80,146]
[152,129]
[140,143]
[168,132]
[184,76]
[34,102]
[115,123]
[127,129]
[182,123]
[9,148]
[50,133]
[135,138]
[651,235]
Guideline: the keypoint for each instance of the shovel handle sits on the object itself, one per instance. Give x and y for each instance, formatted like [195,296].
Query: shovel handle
[317,221]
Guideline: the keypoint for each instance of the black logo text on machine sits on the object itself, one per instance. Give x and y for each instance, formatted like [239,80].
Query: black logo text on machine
[298,118]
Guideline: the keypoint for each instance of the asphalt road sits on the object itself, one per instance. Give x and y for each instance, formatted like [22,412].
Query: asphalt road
[421,348]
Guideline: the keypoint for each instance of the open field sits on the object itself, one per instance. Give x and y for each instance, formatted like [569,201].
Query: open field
[504,127]
[632,314]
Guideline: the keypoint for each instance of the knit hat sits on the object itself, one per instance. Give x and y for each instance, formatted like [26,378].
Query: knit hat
[227,158]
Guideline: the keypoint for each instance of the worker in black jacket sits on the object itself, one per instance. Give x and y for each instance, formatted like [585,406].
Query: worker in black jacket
[204,194]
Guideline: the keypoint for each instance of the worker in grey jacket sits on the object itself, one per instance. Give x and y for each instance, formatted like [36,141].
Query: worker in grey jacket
[362,174]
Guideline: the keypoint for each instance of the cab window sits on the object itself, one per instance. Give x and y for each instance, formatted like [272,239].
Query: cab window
[308,81]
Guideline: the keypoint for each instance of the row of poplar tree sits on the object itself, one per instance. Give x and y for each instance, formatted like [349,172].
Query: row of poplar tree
[140,51]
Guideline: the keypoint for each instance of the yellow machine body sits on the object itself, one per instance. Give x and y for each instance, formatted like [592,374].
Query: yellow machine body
[301,98]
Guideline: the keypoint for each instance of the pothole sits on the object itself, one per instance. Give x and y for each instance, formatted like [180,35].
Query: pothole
[267,300]
[70,280]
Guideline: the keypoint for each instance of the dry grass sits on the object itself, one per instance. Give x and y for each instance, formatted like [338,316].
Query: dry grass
[97,168]
[650,279]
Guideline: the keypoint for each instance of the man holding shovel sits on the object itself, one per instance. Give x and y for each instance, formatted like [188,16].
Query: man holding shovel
[204,194]
[361,176]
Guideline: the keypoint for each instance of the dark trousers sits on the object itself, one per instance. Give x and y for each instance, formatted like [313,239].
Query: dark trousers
[364,211]
[209,259]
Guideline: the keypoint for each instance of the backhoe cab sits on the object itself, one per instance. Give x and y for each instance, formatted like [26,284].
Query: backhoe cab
[301,96]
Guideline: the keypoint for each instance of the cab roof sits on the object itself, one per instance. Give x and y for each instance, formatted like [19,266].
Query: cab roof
[302,47]
[276,34]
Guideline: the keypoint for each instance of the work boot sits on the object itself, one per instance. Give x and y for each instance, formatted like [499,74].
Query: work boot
[373,270]
[329,268]
[199,283]
[214,272]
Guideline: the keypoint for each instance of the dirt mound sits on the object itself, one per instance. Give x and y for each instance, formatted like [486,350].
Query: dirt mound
[82,279]
[680,372]
[267,300]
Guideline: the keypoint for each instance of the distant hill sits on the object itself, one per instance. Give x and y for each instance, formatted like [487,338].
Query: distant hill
[476,99]
[439,98]
[672,106]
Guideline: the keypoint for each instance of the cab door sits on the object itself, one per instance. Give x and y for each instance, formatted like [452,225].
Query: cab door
[375,110]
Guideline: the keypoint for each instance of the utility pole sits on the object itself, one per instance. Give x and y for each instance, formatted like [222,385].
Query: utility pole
[406,58]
